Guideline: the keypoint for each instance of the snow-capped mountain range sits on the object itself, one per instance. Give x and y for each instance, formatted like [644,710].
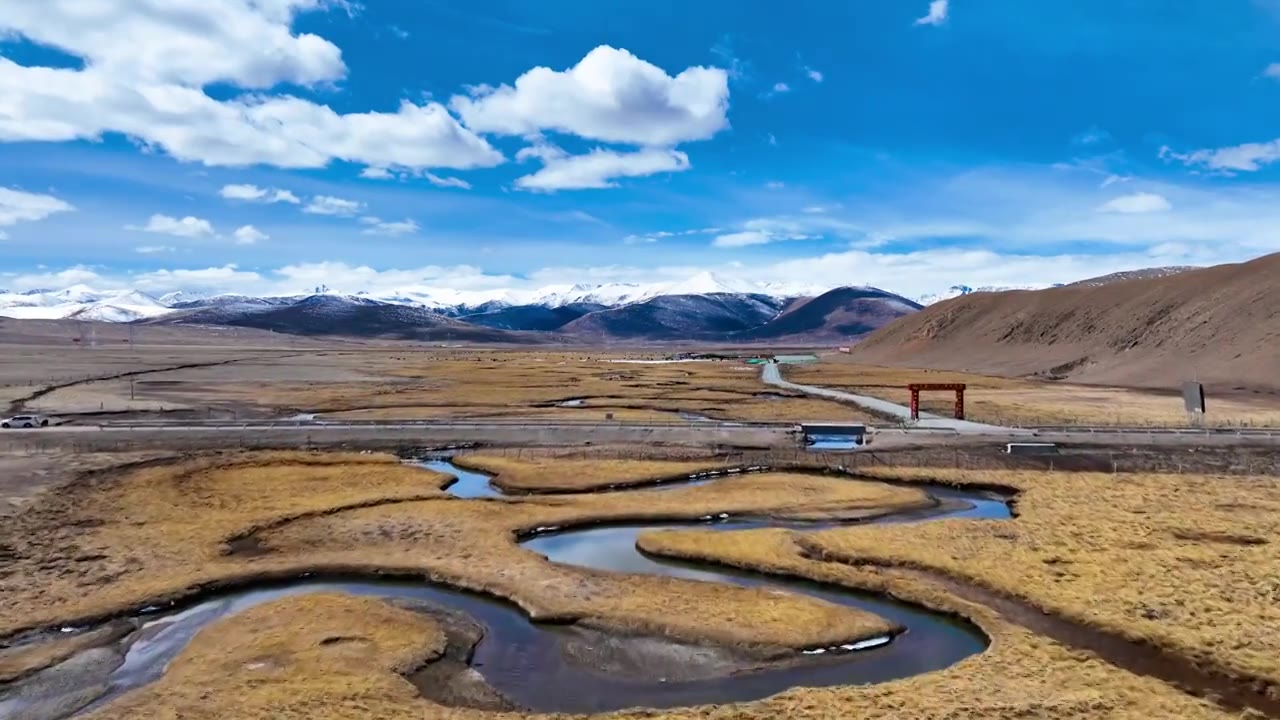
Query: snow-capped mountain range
[85,303]
[608,294]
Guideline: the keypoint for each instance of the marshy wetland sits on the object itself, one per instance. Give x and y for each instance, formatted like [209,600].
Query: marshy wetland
[358,585]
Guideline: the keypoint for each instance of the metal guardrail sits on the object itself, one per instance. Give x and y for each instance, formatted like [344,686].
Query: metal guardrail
[462,422]
[1142,430]
[570,423]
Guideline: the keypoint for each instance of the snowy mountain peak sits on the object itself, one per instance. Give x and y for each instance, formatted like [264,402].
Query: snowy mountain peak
[183,296]
[77,294]
[133,297]
[704,283]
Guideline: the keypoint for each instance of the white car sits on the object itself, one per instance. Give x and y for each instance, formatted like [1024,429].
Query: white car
[25,421]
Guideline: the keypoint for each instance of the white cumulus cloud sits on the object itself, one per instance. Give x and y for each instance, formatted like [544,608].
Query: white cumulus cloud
[1141,202]
[187,227]
[146,66]
[253,193]
[329,205]
[937,15]
[598,168]
[248,235]
[243,42]
[814,75]
[610,95]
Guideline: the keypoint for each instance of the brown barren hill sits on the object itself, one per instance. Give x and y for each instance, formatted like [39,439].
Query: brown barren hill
[1219,324]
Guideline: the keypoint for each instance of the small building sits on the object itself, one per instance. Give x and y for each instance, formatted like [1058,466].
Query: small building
[1031,448]
[795,359]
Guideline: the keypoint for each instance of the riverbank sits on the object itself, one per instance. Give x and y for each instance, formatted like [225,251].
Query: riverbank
[305,518]
[156,534]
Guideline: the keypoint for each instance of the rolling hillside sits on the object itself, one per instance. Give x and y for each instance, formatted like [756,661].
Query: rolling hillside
[677,317]
[532,317]
[840,315]
[345,316]
[1219,324]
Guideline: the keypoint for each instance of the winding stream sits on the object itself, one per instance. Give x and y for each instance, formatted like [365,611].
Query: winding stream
[524,661]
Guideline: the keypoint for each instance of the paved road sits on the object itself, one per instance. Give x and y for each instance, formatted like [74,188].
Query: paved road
[395,433]
[402,433]
[773,376]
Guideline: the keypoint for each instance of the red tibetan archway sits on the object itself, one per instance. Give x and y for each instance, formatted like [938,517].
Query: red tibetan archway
[916,389]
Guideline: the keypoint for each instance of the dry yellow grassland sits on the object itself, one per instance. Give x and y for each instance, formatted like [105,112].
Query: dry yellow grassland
[527,383]
[470,544]
[1187,563]
[1186,548]
[127,537]
[152,533]
[1011,401]
[558,474]
[301,657]
[1021,676]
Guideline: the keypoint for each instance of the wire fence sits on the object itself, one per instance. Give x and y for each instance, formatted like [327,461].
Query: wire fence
[1227,461]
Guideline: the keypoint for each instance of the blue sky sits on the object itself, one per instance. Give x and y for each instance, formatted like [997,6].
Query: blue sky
[272,145]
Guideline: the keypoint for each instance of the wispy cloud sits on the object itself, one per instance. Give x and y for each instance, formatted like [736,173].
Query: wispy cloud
[742,239]
[377,226]
[253,193]
[382,173]
[1141,202]
[653,237]
[814,75]
[739,69]
[1093,136]
[761,231]
[447,181]
[18,206]
[937,15]
[329,205]
[1248,157]
[598,168]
